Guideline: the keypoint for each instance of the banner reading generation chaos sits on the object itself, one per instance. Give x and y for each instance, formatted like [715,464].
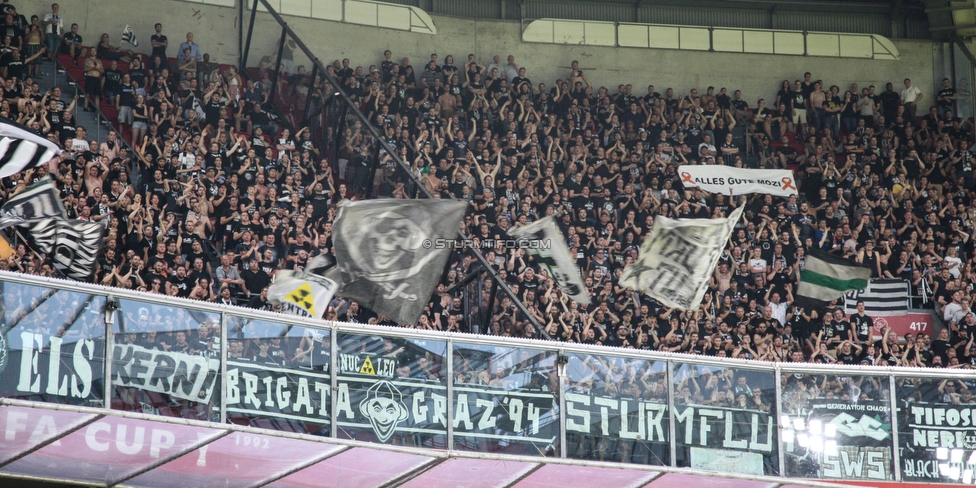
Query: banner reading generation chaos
[840,440]
[738,181]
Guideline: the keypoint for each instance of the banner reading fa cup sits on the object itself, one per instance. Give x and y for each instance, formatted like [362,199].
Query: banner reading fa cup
[677,259]
[554,257]
[738,181]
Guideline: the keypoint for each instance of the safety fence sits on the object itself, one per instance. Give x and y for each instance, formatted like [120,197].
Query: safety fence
[79,344]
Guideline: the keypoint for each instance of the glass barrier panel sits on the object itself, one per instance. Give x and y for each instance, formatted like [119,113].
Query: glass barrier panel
[506,400]
[166,361]
[725,419]
[392,390]
[53,345]
[278,376]
[837,427]
[936,429]
[617,409]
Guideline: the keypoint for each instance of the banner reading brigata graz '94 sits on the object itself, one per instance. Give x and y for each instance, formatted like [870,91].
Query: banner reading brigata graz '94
[839,427]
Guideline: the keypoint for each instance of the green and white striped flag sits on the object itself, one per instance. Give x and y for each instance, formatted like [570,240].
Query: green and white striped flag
[826,277]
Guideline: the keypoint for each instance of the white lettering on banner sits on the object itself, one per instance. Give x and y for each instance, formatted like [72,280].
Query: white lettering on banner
[17,422]
[288,393]
[356,364]
[712,422]
[159,439]
[851,462]
[738,181]
[181,375]
[77,384]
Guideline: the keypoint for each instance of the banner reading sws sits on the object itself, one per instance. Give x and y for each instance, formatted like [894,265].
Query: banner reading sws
[836,439]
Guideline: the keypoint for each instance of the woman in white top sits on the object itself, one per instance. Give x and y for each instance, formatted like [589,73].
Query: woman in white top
[953,262]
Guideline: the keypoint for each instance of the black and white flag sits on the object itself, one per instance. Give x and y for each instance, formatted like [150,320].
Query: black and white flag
[548,247]
[677,259]
[22,148]
[129,36]
[882,297]
[37,202]
[302,293]
[386,255]
[72,245]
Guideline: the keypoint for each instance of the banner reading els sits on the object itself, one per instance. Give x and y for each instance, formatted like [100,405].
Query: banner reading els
[53,366]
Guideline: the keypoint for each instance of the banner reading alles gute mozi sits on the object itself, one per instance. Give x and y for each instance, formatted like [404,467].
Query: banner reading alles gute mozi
[738,181]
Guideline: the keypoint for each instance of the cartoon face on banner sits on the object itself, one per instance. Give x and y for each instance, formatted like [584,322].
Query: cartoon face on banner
[384,408]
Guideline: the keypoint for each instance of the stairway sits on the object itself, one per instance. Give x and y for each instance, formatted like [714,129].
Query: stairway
[89,120]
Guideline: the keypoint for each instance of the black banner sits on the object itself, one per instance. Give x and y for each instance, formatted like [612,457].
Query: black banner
[264,391]
[371,364]
[39,365]
[624,418]
[408,406]
[390,407]
[840,440]
[937,441]
[494,413]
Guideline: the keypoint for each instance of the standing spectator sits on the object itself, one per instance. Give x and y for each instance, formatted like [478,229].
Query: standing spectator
[194,48]
[910,97]
[159,42]
[946,98]
[53,30]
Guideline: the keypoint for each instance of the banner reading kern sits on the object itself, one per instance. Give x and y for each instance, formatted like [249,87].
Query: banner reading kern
[738,181]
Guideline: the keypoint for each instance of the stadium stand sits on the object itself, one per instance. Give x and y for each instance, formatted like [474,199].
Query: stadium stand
[230,182]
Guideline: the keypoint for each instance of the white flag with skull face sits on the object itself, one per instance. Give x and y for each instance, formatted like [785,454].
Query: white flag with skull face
[386,255]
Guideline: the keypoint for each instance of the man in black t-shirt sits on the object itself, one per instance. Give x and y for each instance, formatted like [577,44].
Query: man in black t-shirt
[945,98]
[861,325]
[159,43]
[71,43]
[181,281]
[840,329]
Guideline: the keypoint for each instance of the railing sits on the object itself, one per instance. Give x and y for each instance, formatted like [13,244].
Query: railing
[81,344]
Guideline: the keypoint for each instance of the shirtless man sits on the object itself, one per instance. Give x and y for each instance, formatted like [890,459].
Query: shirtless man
[94,178]
[94,79]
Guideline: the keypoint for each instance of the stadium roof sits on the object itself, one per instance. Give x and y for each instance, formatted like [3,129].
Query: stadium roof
[45,443]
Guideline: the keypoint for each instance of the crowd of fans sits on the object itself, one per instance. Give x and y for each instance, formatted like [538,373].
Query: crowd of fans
[219,192]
